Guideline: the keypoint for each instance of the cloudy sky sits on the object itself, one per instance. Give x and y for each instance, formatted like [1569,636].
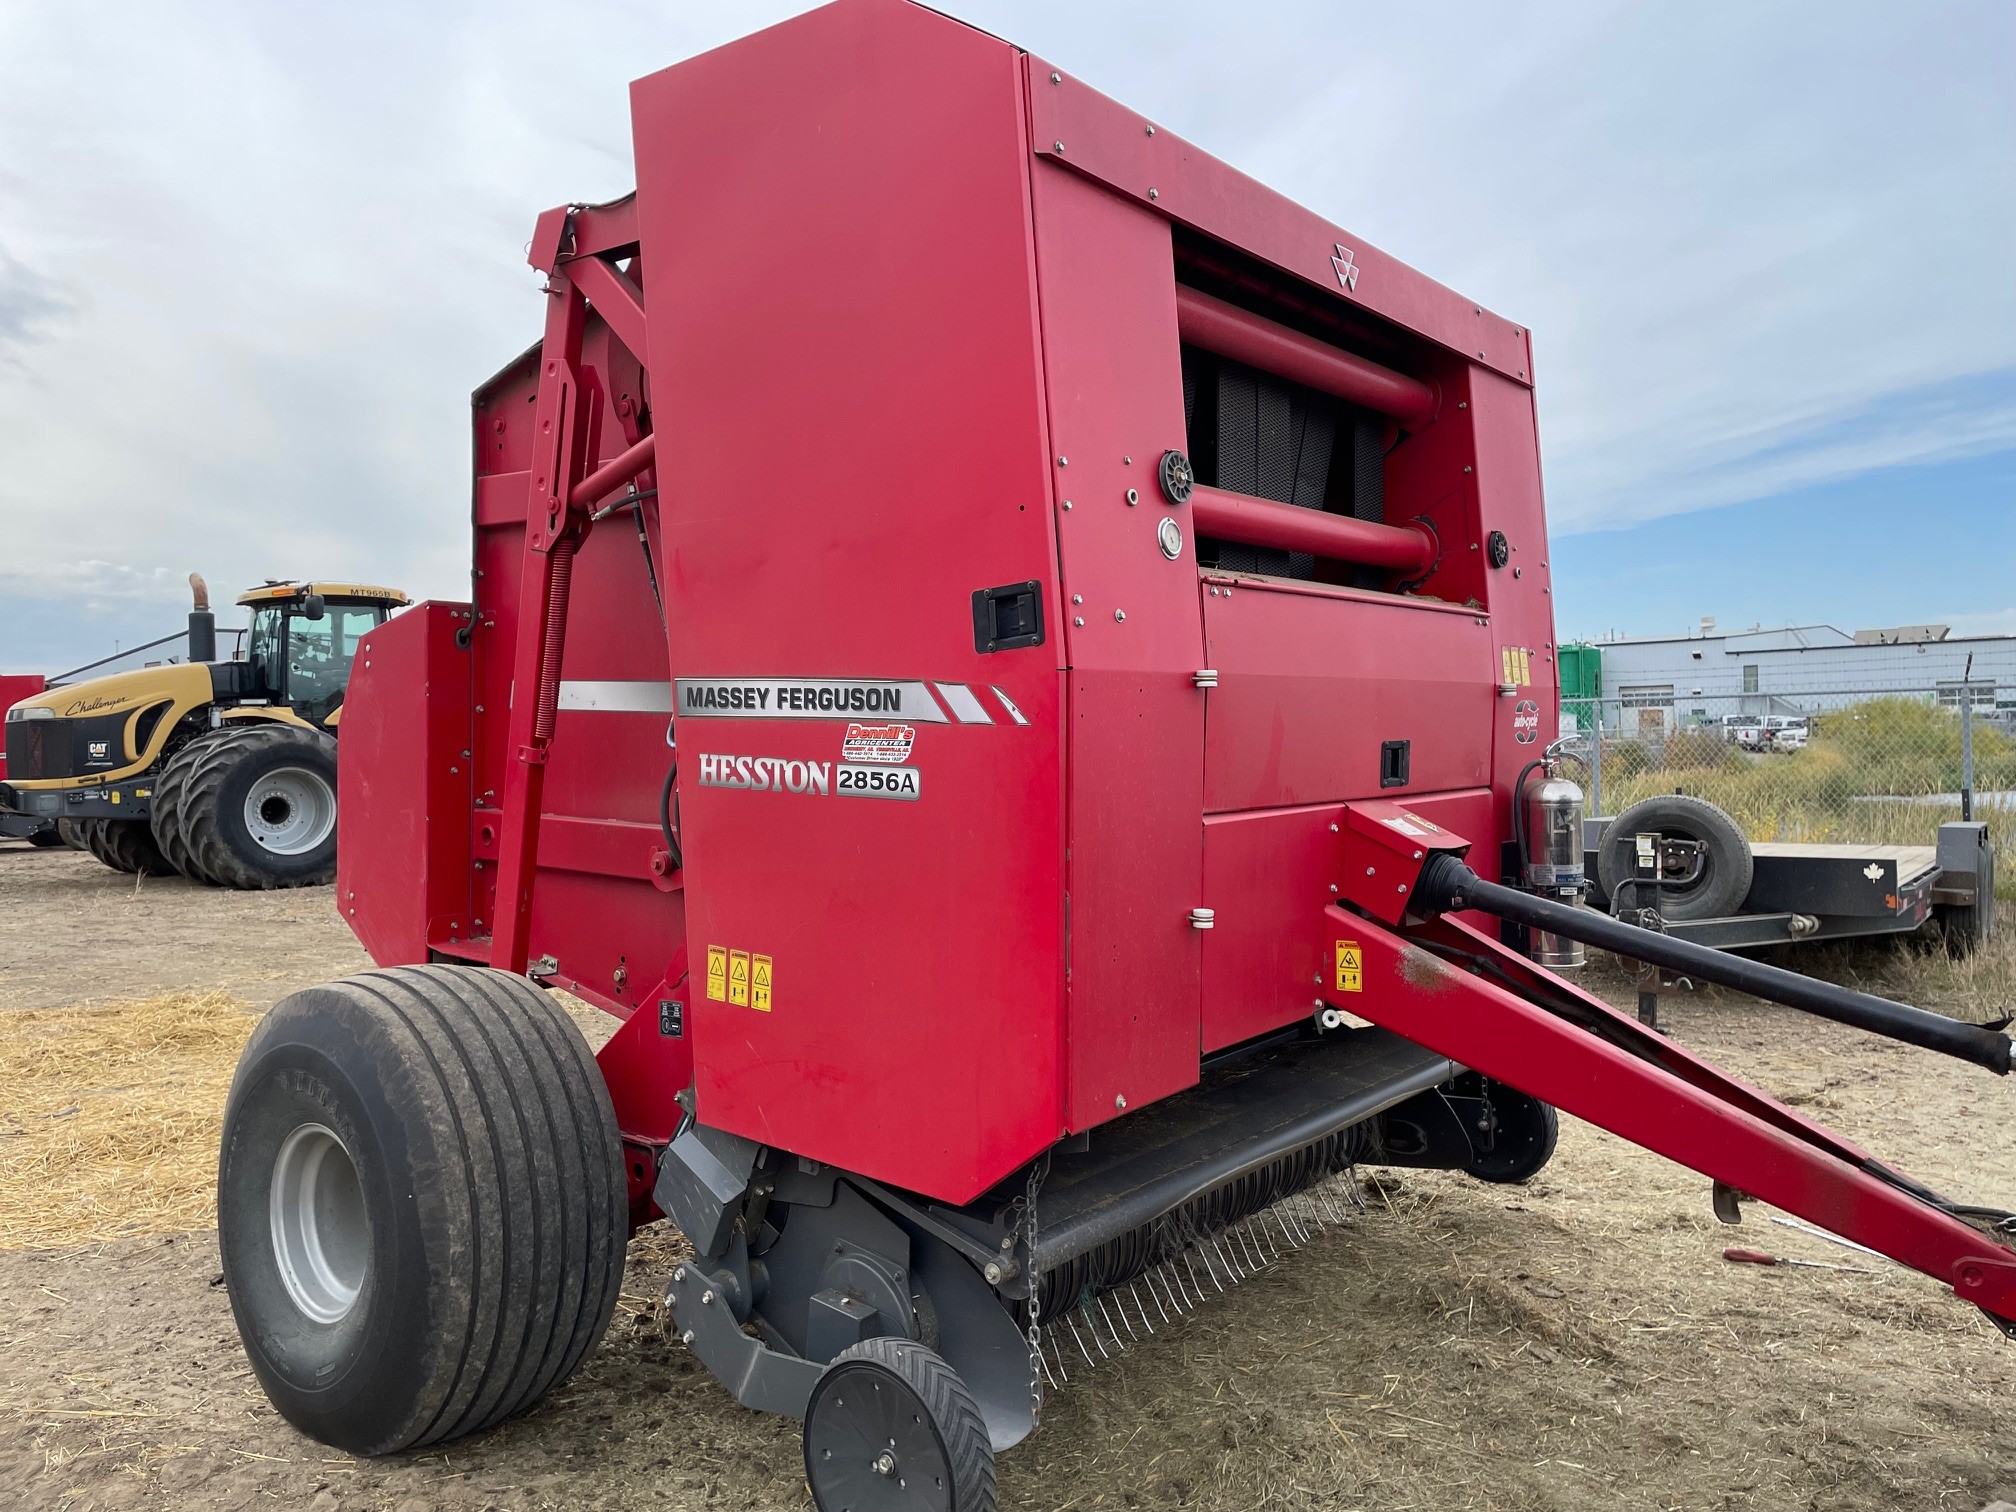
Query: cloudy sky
[254,256]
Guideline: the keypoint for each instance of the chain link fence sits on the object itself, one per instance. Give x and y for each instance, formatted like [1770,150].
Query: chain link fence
[1843,765]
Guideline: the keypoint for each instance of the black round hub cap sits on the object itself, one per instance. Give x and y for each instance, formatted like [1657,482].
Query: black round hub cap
[870,1445]
[1177,478]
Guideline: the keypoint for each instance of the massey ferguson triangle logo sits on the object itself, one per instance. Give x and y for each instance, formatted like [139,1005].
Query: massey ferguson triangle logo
[1347,271]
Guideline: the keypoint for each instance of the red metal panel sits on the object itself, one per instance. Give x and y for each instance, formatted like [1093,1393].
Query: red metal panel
[1311,681]
[1077,126]
[1521,593]
[1137,721]
[403,780]
[14,688]
[848,378]
[1263,872]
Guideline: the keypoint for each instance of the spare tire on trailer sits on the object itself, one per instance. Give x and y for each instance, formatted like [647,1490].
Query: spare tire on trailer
[256,807]
[1726,862]
[421,1204]
[125,845]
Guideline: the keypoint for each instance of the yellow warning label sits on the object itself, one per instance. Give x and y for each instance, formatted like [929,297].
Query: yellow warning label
[738,978]
[759,983]
[1350,966]
[717,973]
[1515,666]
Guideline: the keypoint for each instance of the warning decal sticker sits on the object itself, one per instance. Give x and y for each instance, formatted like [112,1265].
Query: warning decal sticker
[759,983]
[1350,966]
[738,978]
[717,973]
[1515,666]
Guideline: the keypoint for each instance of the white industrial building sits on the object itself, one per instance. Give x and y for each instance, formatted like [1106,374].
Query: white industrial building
[1709,675]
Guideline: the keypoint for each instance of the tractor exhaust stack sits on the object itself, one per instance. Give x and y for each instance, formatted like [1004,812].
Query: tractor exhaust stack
[202,623]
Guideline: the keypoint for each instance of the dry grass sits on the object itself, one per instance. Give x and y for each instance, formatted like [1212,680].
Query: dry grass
[109,1117]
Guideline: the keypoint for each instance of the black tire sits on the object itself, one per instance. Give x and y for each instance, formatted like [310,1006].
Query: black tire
[45,838]
[941,1457]
[212,798]
[170,809]
[71,831]
[481,1151]
[125,845]
[1726,862]
[1528,1130]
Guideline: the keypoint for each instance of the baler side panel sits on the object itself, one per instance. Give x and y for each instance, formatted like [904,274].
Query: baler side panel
[847,401]
[1094,135]
[1522,591]
[1114,383]
[1312,682]
[403,799]
[1267,865]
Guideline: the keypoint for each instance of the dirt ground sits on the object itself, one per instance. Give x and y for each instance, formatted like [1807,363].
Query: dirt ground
[1577,1343]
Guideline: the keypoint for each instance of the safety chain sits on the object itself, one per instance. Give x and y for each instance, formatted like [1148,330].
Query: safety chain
[1025,1225]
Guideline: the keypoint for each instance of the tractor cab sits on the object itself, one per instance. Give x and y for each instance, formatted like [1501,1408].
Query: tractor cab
[304,637]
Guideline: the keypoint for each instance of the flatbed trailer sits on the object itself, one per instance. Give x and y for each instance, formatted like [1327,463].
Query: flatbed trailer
[1802,891]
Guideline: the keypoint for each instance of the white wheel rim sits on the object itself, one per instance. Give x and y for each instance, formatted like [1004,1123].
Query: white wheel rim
[290,811]
[321,1233]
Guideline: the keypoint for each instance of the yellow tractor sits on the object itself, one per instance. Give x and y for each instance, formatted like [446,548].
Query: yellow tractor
[222,770]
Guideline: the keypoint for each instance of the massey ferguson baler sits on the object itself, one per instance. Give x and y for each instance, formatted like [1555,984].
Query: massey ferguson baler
[1017,664]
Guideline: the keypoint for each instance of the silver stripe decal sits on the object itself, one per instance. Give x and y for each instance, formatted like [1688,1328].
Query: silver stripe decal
[1009,704]
[839,698]
[960,700]
[618,697]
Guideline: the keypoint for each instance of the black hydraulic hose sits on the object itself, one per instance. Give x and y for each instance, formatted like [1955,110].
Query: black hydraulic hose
[1447,885]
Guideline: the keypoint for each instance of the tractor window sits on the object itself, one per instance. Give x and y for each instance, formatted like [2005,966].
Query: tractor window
[267,648]
[319,653]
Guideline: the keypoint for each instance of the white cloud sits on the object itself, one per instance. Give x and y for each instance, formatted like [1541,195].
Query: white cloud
[253,258]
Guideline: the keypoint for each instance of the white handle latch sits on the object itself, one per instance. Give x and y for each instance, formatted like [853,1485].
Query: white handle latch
[1202,918]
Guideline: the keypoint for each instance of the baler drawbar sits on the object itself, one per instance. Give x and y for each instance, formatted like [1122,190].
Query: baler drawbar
[1052,801]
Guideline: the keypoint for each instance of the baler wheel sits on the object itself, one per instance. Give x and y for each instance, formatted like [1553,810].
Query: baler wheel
[258,808]
[890,1427]
[421,1204]
[125,845]
[1528,1130]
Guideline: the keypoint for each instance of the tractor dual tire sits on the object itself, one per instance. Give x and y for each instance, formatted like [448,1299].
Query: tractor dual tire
[167,803]
[125,845]
[253,807]
[1727,865]
[421,1204]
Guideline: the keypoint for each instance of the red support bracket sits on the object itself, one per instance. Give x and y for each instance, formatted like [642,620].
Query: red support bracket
[1462,994]
[550,539]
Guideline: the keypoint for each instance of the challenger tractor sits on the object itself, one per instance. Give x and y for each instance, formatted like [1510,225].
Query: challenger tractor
[224,771]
